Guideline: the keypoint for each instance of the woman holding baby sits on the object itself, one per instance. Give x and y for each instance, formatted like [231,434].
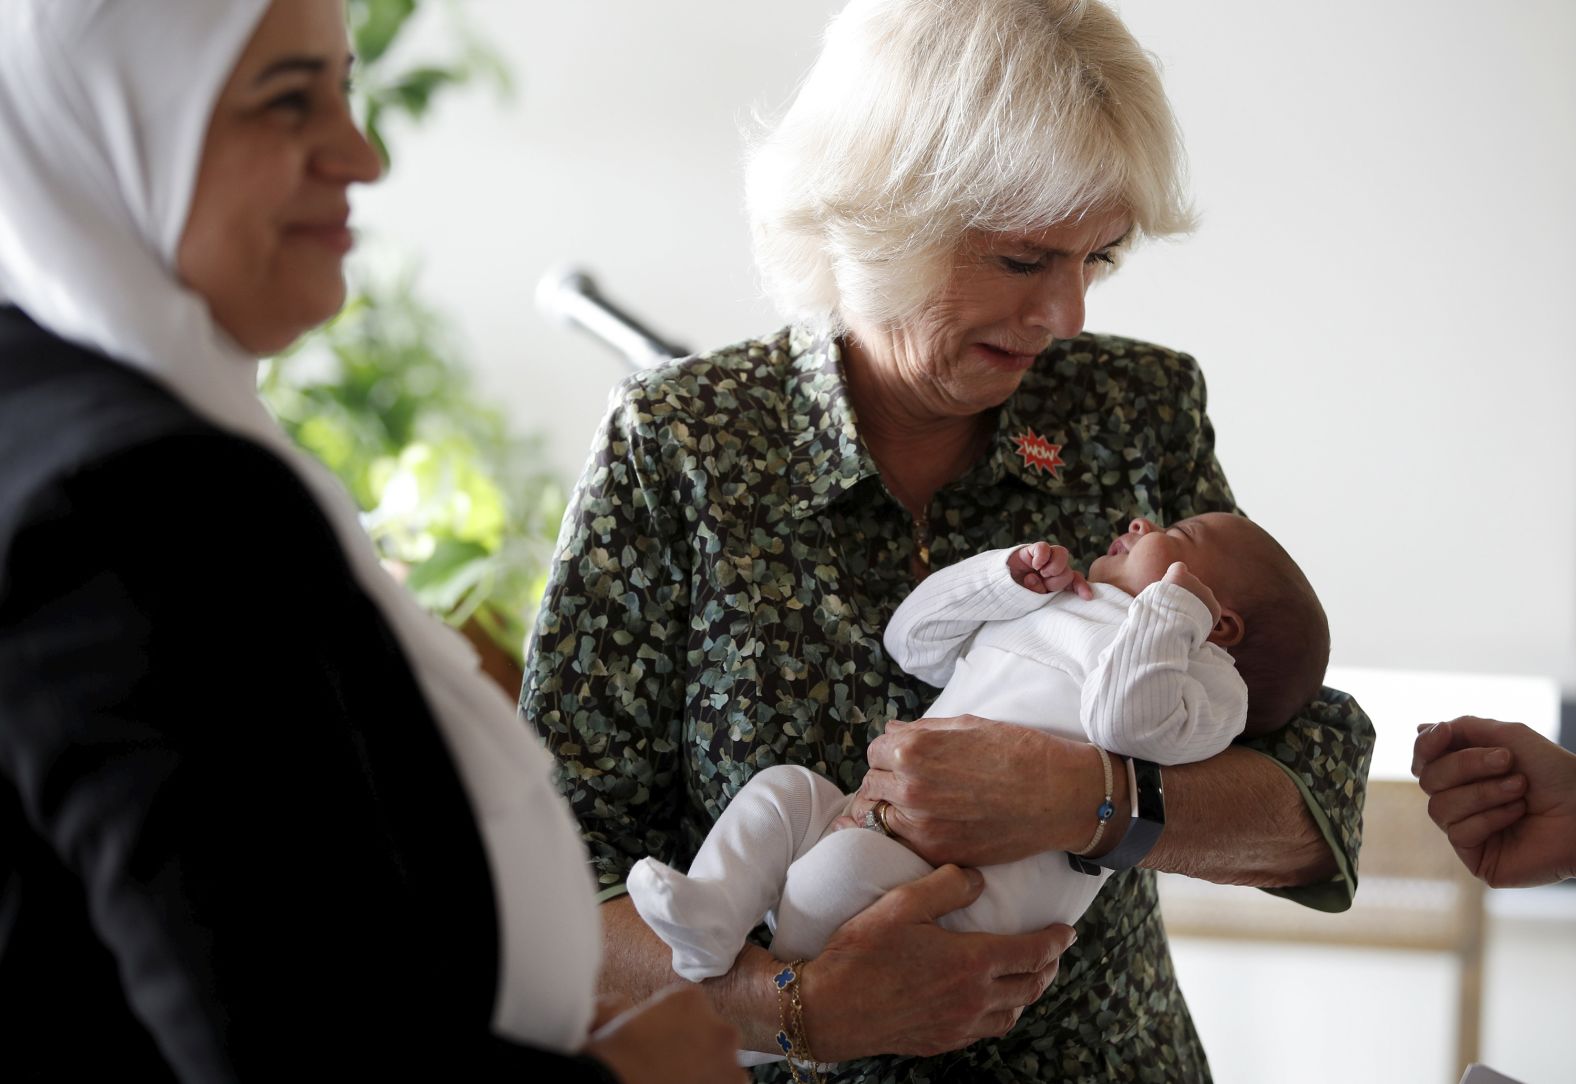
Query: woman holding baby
[929,214]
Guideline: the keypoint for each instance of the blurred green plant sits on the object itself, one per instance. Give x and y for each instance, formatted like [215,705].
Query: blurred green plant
[447,492]
[380,395]
[387,87]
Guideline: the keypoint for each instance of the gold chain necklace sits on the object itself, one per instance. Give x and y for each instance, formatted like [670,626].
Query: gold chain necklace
[922,544]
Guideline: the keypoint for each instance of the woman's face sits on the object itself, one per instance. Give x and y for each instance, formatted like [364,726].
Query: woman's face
[268,228]
[1009,296]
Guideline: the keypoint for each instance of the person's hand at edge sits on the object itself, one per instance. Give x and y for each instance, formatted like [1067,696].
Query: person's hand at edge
[1504,796]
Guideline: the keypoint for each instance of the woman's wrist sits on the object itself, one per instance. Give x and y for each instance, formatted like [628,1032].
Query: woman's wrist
[1121,798]
[826,1016]
[793,1037]
[747,998]
[637,964]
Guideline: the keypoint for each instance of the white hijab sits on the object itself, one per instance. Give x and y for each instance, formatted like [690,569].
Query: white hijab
[104,105]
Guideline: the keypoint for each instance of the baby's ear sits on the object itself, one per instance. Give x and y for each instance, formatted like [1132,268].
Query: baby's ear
[1229,630]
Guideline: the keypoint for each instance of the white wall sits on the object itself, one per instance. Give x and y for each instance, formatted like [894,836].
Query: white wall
[1381,292]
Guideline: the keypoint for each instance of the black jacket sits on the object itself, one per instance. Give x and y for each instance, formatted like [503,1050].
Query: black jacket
[232,842]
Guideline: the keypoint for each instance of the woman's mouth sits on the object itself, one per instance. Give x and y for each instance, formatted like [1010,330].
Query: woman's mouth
[334,235]
[1007,359]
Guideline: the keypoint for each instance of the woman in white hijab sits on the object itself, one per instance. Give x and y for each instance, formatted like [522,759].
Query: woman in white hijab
[259,816]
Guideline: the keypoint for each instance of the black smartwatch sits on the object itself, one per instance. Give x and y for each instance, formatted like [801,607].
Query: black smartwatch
[1148,820]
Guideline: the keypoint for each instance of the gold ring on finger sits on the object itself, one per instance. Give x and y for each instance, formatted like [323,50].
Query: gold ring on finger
[879,811]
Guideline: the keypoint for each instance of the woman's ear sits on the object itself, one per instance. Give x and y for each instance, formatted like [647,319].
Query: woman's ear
[1229,629]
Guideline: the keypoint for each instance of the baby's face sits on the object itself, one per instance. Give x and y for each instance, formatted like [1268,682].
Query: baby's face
[1217,547]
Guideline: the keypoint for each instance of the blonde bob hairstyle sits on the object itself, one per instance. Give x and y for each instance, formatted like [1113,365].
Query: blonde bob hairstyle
[923,120]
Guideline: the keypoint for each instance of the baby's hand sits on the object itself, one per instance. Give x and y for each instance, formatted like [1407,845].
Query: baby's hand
[1179,575]
[1043,568]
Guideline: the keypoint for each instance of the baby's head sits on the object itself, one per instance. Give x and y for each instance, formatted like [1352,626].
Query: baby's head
[1270,620]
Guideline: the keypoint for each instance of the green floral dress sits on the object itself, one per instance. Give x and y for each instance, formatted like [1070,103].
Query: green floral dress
[727,566]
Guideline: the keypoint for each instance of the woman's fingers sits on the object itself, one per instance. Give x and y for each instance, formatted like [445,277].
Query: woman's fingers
[1031,953]
[974,792]
[877,784]
[937,893]
[1472,832]
[1462,767]
[881,756]
[1468,731]
[1012,990]
[898,823]
[1447,808]
[995,1025]
[1021,990]
[957,987]
[1432,743]
[931,839]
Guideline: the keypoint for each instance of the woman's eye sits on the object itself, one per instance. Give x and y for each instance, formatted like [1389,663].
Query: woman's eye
[1021,267]
[292,101]
[1108,258]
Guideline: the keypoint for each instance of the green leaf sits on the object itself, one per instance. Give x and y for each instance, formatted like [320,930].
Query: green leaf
[375,24]
[414,90]
[373,126]
[440,583]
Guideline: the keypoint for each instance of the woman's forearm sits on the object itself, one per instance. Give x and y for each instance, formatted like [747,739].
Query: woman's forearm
[955,988]
[975,792]
[1237,818]
[636,963]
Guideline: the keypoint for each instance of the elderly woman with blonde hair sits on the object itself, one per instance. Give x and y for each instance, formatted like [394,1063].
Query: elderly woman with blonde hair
[929,213]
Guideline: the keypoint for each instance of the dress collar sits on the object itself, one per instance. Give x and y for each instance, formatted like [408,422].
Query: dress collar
[1041,437]
[826,457]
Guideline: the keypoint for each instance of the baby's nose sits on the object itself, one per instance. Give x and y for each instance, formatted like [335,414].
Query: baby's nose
[1141,527]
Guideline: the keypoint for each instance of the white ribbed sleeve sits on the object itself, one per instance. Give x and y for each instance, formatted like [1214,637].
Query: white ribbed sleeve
[935,624]
[1159,690]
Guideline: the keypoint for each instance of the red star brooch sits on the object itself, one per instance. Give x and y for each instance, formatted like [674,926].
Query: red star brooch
[1038,453]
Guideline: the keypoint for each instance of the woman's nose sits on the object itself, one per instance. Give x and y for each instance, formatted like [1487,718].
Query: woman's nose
[1058,306]
[347,155]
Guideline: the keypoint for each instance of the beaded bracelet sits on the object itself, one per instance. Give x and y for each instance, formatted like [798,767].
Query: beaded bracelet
[1107,807]
[790,1035]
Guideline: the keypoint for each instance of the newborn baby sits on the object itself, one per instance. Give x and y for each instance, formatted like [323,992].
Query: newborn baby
[1178,641]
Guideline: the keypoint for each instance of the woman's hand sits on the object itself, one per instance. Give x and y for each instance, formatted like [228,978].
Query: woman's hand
[673,1037]
[891,981]
[979,793]
[1504,795]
